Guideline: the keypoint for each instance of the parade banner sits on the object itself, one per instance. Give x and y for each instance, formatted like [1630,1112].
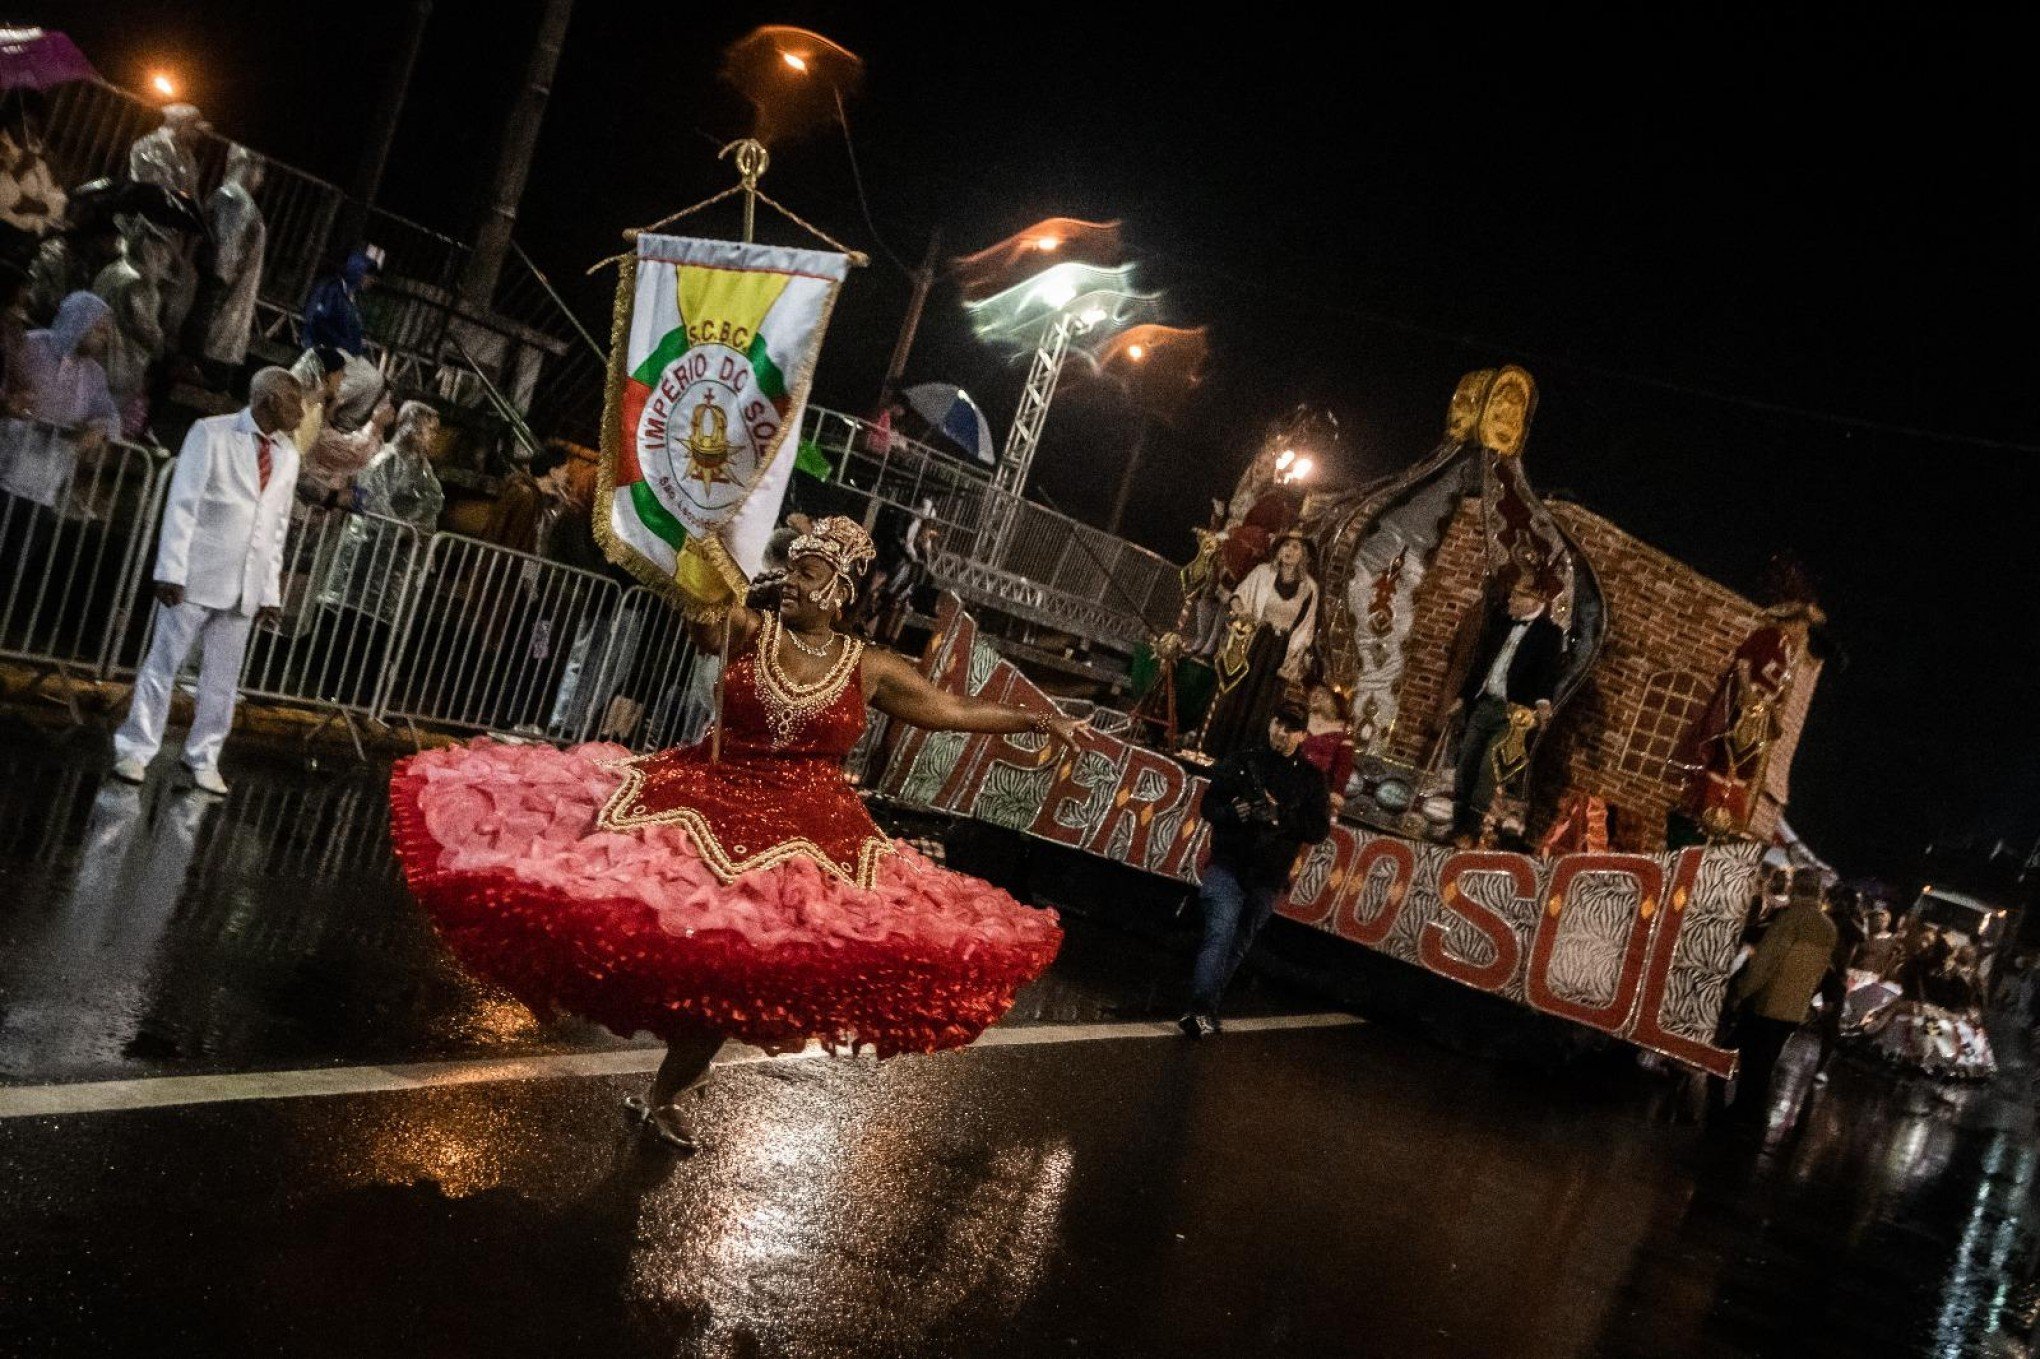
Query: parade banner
[1638,946]
[712,354]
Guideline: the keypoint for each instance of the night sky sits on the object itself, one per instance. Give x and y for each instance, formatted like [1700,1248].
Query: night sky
[1702,232]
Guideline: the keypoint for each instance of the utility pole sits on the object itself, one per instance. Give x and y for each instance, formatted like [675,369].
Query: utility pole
[382,127]
[513,163]
[924,280]
[1127,475]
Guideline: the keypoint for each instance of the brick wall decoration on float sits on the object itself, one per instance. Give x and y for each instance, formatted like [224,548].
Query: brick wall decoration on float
[1634,945]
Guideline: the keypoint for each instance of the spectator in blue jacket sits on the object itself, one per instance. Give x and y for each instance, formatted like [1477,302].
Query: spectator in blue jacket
[333,308]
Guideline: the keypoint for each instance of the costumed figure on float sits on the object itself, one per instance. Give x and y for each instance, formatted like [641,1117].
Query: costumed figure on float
[1457,618]
[1172,674]
[744,892]
[1935,1024]
[1328,741]
[1729,750]
[1514,658]
[1511,658]
[1271,622]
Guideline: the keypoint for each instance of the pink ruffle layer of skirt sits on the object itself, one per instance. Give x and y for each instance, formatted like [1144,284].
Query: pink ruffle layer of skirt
[634,931]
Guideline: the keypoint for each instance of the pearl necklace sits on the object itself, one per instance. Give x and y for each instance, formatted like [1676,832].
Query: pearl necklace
[788,703]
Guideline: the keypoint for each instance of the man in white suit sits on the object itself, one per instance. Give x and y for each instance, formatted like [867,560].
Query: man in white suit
[219,570]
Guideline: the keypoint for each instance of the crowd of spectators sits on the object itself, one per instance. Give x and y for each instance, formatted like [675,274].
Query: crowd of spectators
[118,292]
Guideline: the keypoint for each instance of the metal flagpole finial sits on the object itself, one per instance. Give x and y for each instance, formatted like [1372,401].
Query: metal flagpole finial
[752,161]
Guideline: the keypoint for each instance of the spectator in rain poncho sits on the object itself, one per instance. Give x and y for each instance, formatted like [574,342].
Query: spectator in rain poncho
[70,262]
[332,309]
[342,392]
[352,433]
[319,372]
[133,287]
[397,484]
[239,238]
[57,380]
[400,482]
[168,158]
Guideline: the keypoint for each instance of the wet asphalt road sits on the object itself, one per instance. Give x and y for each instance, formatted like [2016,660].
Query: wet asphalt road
[1353,1190]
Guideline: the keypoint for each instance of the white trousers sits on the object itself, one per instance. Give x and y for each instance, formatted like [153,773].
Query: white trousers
[222,635]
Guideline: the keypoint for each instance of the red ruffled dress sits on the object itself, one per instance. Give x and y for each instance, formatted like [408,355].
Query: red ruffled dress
[755,897]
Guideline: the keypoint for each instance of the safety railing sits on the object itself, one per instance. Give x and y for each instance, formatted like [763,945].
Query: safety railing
[890,467]
[76,520]
[88,127]
[998,548]
[348,581]
[382,621]
[503,641]
[655,694]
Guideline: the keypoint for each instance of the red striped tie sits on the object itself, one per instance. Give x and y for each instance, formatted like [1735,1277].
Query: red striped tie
[262,460]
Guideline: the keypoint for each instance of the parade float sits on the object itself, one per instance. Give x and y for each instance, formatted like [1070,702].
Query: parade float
[1609,880]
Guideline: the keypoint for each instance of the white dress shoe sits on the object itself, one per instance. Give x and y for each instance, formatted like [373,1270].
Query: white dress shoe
[130,770]
[209,781]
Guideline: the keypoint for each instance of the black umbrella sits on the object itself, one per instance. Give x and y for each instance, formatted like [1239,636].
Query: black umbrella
[102,199]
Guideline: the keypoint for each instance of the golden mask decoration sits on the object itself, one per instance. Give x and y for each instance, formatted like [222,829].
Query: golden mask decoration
[1505,414]
[1462,416]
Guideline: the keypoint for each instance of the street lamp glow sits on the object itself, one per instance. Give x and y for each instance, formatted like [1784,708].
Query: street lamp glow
[795,60]
[1056,293]
[162,84]
[1136,352]
[1288,457]
[1067,289]
[1302,468]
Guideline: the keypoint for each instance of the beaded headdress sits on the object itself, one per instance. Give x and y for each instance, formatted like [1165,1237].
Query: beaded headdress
[841,542]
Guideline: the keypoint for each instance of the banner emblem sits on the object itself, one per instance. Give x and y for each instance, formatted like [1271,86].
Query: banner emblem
[717,346]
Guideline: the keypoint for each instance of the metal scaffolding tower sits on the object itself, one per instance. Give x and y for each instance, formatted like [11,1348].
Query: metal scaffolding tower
[1025,436]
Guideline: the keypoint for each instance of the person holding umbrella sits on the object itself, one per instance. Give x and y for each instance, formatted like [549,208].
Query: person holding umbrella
[31,201]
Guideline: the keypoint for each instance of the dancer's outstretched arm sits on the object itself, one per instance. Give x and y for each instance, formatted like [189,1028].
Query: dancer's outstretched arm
[897,689]
[744,624]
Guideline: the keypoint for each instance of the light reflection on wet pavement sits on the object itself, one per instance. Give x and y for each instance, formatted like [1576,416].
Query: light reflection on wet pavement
[1347,1191]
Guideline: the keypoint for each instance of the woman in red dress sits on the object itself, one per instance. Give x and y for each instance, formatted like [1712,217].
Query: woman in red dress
[1327,742]
[749,896]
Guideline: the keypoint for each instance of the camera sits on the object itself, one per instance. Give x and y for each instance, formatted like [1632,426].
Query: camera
[1260,812]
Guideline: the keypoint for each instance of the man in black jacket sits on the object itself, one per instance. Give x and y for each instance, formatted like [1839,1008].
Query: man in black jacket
[1263,805]
[1517,663]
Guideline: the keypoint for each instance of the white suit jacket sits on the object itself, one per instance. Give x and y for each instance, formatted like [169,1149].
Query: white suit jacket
[223,532]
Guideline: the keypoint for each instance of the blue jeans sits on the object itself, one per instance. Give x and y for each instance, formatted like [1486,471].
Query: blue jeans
[1234,913]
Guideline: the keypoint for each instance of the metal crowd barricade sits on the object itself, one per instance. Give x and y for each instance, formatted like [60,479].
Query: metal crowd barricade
[502,641]
[348,580]
[75,529]
[652,691]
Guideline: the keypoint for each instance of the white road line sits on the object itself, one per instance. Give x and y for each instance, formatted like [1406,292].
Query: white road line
[157,1092]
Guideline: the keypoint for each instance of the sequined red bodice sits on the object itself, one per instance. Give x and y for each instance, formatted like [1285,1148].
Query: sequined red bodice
[778,791]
